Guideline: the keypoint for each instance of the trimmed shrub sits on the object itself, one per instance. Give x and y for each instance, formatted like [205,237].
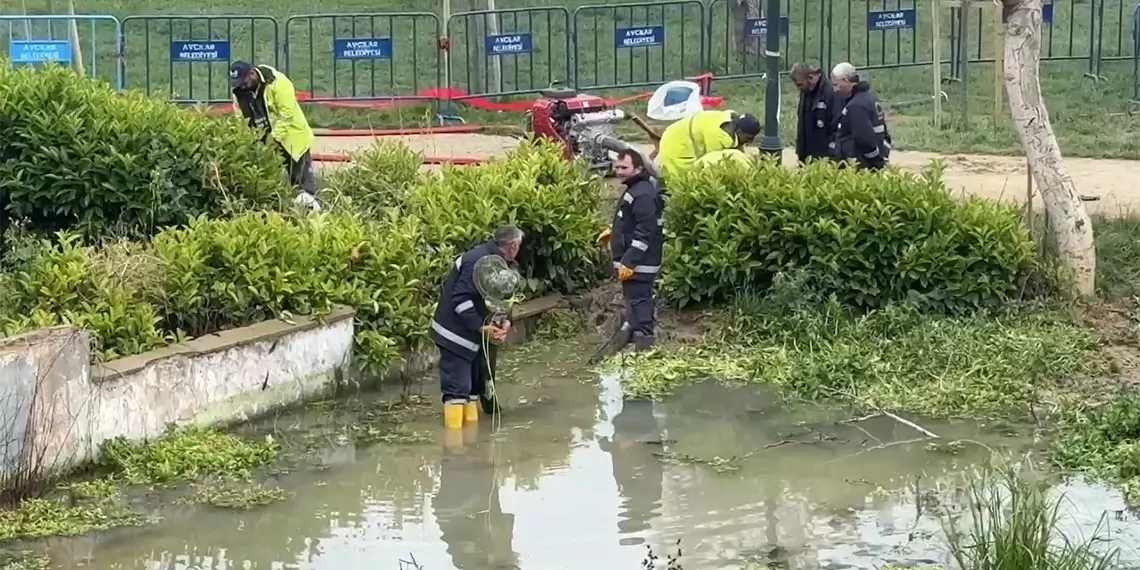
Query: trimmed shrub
[76,155]
[556,203]
[219,274]
[67,283]
[214,274]
[866,238]
[381,176]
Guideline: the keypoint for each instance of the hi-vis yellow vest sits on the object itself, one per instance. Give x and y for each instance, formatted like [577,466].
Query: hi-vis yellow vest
[689,139]
[730,155]
[290,128]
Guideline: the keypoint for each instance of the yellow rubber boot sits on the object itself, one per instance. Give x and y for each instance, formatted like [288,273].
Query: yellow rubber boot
[453,439]
[453,413]
[470,434]
[471,412]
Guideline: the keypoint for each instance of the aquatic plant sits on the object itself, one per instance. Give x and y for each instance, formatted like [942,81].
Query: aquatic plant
[1013,524]
[1103,439]
[896,357]
[185,454]
[244,497]
[75,509]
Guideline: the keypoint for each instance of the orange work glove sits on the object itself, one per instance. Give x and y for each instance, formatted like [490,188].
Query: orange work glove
[624,272]
[604,237]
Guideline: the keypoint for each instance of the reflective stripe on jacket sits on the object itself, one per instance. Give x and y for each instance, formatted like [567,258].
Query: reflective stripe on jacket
[461,310]
[637,230]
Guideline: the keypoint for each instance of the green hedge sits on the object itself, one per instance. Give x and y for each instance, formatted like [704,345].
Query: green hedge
[215,274]
[76,155]
[555,202]
[866,238]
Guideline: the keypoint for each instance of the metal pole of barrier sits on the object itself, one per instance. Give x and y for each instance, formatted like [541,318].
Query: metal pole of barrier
[999,63]
[1135,56]
[770,142]
[964,62]
[936,14]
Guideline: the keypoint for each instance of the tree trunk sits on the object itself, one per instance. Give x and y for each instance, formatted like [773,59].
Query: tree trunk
[73,35]
[742,11]
[1070,228]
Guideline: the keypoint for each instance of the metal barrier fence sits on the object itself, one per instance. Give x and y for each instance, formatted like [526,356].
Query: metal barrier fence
[38,39]
[1090,31]
[632,45]
[363,56]
[1135,100]
[186,58]
[508,52]
[596,46]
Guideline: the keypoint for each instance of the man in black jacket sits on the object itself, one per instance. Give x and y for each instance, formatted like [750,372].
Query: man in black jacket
[636,238]
[861,133]
[815,121]
[460,327]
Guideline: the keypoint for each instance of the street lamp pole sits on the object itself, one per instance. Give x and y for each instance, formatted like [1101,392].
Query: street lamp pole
[770,142]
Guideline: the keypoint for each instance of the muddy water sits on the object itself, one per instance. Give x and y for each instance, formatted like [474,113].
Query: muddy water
[573,477]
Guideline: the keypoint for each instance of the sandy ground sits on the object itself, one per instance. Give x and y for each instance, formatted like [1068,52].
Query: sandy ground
[995,177]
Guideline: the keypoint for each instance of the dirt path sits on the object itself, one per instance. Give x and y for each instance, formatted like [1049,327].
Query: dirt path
[994,177]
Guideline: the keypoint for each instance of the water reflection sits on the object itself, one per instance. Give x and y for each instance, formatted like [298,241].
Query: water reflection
[592,479]
[471,520]
[637,471]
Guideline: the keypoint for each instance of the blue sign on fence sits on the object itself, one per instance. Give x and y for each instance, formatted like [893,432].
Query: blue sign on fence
[362,48]
[509,43]
[891,20]
[39,51]
[200,51]
[1046,14]
[641,36]
[758,27]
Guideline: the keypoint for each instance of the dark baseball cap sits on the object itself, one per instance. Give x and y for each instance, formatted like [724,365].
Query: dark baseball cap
[748,124]
[239,70]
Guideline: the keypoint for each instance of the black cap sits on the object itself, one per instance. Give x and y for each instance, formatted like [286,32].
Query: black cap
[239,70]
[748,124]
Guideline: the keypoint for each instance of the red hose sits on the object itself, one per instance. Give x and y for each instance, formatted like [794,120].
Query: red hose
[449,129]
[334,157]
[461,96]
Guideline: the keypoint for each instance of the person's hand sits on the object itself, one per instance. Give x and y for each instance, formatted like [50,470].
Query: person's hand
[494,333]
[604,237]
[624,272]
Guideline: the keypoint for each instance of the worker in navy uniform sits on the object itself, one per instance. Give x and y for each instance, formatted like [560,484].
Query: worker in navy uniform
[815,124]
[861,129]
[636,238]
[463,333]
[478,534]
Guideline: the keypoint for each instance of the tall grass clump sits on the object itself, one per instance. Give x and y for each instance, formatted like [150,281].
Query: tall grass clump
[1014,524]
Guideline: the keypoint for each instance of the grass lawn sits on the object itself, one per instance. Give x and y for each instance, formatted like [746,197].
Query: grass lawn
[1089,115]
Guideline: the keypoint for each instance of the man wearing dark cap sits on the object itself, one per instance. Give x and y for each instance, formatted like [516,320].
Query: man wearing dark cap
[687,140]
[267,99]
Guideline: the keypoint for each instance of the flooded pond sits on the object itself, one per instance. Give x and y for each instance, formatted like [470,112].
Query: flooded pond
[573,477]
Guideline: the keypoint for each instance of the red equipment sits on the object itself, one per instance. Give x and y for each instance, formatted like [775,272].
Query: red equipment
[580,122]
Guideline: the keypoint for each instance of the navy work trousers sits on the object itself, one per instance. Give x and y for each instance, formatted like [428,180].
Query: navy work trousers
[639,305]
[464,379]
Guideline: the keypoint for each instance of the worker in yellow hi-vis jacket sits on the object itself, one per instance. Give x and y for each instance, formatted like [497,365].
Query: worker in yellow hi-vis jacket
[268,100]
[689,139]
